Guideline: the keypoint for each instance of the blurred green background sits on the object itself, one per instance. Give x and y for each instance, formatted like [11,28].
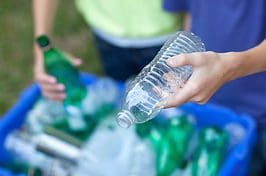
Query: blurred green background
[16,38]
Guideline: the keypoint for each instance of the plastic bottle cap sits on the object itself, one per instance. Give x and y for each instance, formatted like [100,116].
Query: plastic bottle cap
[125,119]
[43,41]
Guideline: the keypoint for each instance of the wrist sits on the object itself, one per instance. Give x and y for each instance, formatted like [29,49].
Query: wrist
[231,64]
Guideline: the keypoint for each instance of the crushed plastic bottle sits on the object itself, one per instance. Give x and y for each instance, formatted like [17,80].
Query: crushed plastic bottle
[112,146]
[237,133]
[104,91]
[44,112]
[157,80]
[142,160]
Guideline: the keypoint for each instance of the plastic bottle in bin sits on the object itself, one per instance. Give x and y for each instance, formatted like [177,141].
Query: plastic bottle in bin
[209,154]
[165,159]
[19,167]
[174,147]
[102,98]
[157,80]
[58,65]
[180,133]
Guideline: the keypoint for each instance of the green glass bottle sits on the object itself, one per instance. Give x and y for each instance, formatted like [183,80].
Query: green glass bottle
[210,151]
[58,65]
[180,131]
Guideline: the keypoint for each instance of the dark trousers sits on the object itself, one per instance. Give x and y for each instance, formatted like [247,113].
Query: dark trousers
[121,63]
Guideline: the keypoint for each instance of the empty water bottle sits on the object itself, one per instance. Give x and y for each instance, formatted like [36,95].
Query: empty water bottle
[157,80]
[236,133]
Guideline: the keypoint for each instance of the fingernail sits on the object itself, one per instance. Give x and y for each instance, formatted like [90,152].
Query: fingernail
[170,62]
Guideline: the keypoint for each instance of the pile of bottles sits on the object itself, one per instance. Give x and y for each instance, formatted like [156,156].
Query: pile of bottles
[79,136]
[169,145]
[56,142]
[184,149]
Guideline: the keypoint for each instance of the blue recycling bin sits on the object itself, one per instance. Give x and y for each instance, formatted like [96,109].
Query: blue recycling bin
[235,163]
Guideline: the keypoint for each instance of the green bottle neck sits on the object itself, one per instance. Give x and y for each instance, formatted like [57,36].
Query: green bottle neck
[47,48]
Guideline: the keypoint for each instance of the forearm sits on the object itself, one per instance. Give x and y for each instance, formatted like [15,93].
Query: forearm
[187,22]
[43,14]
[247,62]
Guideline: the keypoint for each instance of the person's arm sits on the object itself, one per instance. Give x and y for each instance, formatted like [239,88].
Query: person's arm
[186,21]
[250,61]
[211,70]
[43,15]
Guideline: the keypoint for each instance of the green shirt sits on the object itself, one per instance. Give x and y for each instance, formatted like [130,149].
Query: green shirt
[129,18]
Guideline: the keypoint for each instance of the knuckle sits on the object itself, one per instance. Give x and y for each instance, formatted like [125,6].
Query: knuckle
[194,87]
[198,58]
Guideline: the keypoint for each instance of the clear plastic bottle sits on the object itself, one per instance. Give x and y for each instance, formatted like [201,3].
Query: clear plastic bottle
[142,160]
[157,80]
[103,92]
[237,133]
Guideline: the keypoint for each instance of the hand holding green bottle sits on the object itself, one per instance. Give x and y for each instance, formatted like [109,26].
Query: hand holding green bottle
[50,87]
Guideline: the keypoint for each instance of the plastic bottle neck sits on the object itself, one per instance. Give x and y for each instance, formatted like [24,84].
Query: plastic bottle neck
[125,119]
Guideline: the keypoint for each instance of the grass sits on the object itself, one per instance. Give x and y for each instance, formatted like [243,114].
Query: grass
[16,37]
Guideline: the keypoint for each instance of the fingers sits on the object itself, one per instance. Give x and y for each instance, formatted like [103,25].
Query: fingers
[53,87]
[181,60]
[43,78]
[181,96]
[76,61]
[50,88]
[57,96]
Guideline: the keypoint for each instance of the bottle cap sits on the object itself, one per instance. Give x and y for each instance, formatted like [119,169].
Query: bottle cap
[43,41]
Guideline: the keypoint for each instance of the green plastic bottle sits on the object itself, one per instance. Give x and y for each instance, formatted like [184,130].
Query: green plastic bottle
[180,131]
[165,160]
[210,151]
[22,168]
[171,144]
[58,65]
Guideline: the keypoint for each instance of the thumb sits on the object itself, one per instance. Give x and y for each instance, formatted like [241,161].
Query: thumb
[181,60]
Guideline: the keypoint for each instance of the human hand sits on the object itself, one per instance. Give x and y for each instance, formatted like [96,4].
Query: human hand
[50,88]
[210,71]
